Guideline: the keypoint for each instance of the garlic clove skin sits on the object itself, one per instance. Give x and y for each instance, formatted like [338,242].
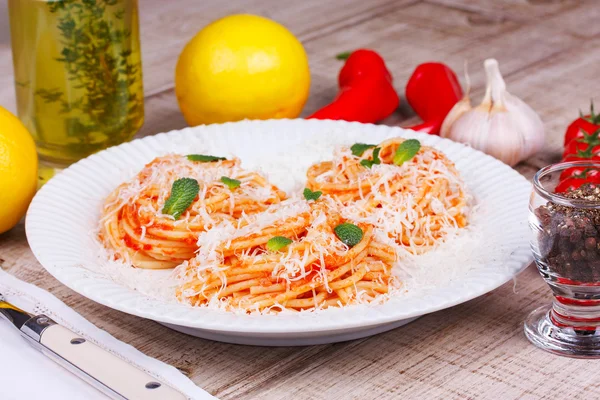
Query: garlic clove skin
[494,134]
[502,126]
[463,106]
[528,123]
[459,108]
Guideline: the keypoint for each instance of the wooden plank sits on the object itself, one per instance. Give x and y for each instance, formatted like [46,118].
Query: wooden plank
[164,33]
[475,350]
[399,36]
[517,10]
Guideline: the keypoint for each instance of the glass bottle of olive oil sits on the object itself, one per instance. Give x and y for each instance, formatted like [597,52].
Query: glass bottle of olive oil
[78,74]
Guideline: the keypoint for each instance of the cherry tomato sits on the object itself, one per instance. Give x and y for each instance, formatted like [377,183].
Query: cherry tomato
[578,128]
[589,124]
[569,184]
[577,172]
[593,177]
[583,148]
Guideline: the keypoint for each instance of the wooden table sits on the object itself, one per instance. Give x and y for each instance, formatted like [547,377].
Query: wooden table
[548,53]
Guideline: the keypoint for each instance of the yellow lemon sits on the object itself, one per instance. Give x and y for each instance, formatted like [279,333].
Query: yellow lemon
[242,66]
[18,170]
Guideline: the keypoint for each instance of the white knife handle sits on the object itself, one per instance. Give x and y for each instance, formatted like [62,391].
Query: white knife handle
[103,369]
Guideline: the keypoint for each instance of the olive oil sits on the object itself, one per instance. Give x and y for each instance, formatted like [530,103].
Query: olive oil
[78,74]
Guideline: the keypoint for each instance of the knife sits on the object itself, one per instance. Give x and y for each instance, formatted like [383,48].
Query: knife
[106,372]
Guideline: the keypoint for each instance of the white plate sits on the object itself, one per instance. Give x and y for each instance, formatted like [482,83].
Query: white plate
[64,213]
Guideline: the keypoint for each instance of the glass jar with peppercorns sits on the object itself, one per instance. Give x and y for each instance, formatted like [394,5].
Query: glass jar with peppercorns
[566,246]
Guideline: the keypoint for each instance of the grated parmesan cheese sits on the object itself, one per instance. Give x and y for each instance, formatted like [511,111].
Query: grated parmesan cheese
[416,272]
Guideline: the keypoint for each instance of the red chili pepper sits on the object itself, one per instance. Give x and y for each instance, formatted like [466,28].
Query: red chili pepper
[366,92]
[587,124]
[432,90]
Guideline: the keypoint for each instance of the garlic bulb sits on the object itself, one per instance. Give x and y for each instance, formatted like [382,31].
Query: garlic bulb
[502,126]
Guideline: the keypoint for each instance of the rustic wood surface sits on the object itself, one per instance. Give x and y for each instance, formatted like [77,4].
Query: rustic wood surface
[547,51]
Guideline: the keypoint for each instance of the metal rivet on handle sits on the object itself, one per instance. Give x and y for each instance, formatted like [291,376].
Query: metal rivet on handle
[153,385]
[77,341]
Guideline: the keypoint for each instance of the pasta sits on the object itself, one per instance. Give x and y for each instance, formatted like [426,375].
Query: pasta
[133,226]
[417,203]
[238,244]
[235,269]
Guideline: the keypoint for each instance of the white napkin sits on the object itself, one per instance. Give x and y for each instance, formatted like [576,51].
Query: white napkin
[25,373]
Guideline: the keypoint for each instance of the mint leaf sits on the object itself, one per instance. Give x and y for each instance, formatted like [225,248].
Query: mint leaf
[231,183]
[183,193]
[374,161]
[277,243]
[310,195]
[204,158]
[406,151]
[359,148]
[349,234]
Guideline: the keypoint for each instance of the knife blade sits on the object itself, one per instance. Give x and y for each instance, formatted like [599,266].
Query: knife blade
[106,372]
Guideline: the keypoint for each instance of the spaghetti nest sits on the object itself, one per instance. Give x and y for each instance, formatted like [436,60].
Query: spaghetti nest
[417,203]
[134,228]
[236,268]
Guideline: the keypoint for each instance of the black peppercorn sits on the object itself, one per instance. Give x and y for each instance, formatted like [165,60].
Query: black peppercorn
[590,243]
[569,238]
